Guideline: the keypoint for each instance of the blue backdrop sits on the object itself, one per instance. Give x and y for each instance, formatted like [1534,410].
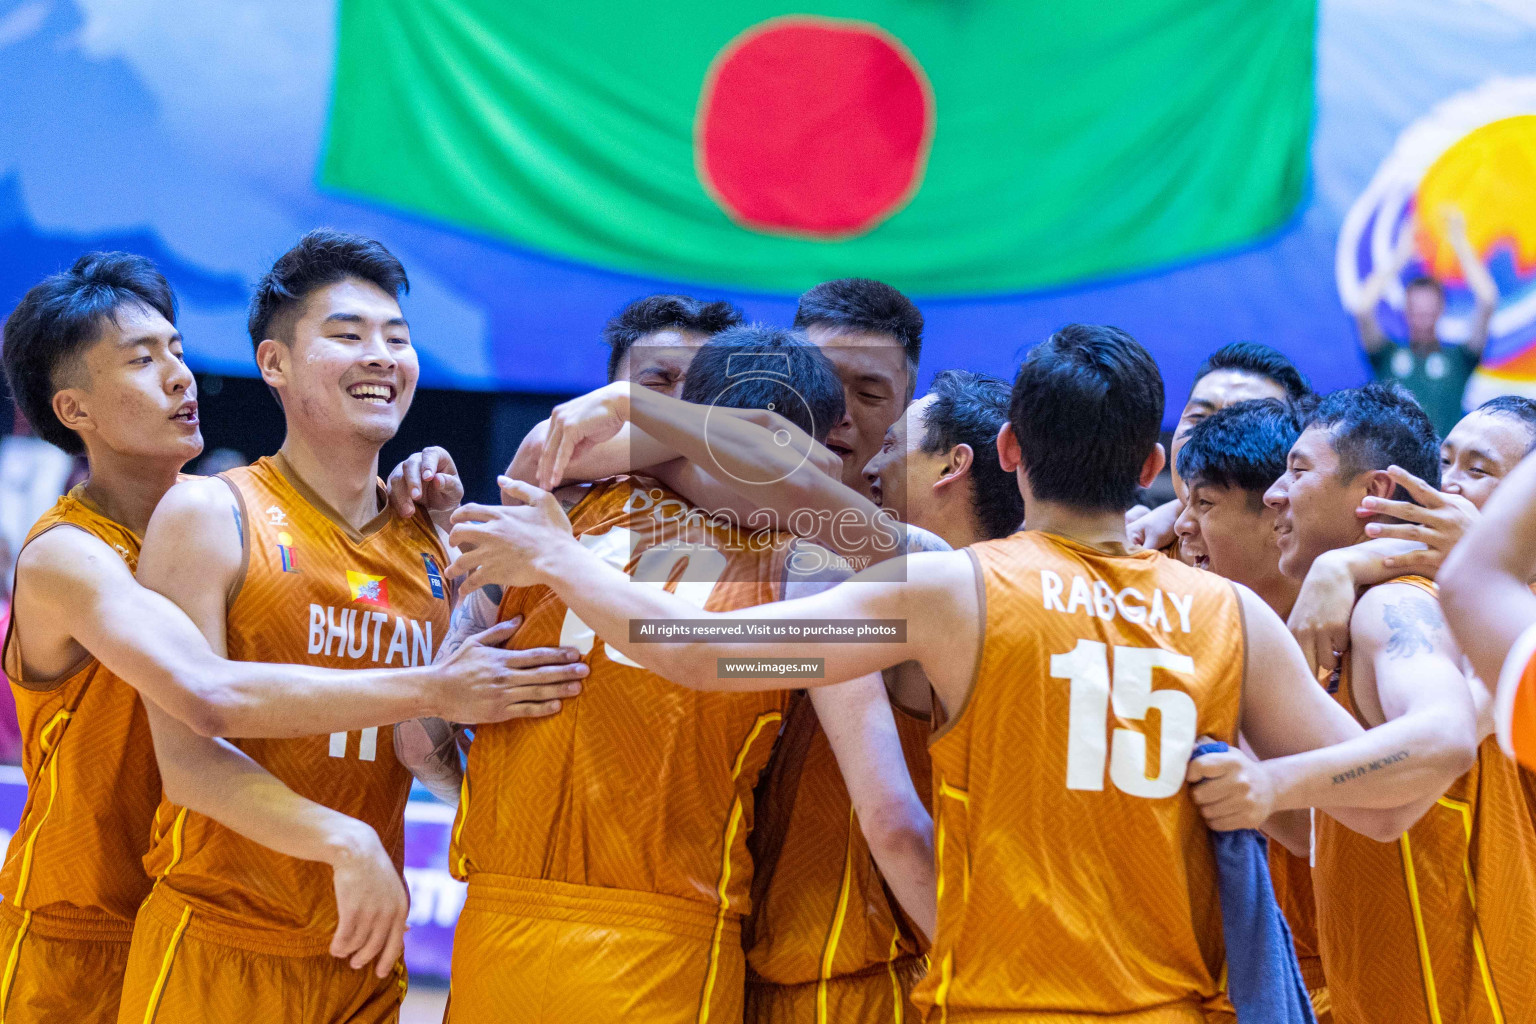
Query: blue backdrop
[191,131]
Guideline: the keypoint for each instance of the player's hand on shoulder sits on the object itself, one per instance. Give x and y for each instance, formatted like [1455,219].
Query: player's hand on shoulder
[429,479]
[483,683]
[371,900]
[1232,790]
[578,424]
[499,544]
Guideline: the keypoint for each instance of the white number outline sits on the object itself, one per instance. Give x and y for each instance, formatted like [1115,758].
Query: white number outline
[703,569]
[1086,667]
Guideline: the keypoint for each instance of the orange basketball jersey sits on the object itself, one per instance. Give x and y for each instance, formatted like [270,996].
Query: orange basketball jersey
[92,782]
[1515,711]
[1292,878]
[638,784]
[1440,925]
[826,911]
[1076,877]
[317,592]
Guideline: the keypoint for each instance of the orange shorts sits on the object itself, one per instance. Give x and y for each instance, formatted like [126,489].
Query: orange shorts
[576,954]
[186,969]
[60,967]
[880,995]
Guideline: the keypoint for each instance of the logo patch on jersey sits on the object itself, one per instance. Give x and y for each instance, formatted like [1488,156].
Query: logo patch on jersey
[368,589]
[434,574]
[285,551]
[277,516]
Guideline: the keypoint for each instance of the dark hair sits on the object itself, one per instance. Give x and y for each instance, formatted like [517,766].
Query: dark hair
[969,408]
[1515,407]
[61,317]
[1243,446]
[1425,281]
[1087,408]
[1259,360]
[1377,426]
[754,366]
[663,312]
[859,304]
[322,257]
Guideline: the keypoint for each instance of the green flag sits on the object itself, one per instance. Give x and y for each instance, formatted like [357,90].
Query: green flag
[945,146]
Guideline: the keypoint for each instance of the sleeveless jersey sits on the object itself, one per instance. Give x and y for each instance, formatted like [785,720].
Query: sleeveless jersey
[1075,873]
[638,784]
[1515,711]
[825,911]
[1440,925]
[1292,879]
[92,780]
[314,591]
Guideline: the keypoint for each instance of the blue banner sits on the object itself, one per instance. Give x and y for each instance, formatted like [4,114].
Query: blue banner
[193,133]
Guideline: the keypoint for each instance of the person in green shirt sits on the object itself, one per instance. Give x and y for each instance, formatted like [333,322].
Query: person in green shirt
[1436,374]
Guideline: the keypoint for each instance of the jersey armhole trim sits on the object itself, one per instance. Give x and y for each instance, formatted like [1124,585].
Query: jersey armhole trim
[950,720]
[1242,621]
[1509,684]
[246,526]
[46,685]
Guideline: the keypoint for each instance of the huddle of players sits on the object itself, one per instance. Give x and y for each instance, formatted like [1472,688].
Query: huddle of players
[986,794]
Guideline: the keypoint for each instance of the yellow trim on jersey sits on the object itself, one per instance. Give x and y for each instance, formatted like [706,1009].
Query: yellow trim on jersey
[829,947]
[1478,947]
[898,1010]
[165,966]
[941,994]
[964,797]
[723,885]
[10,965]
[1426,969]
[458,826]
[49,753]
[178,833]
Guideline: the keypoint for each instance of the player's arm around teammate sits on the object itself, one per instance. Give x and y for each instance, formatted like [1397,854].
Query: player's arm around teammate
[861,729]
[1284,711]
[1379,782]
[749,464]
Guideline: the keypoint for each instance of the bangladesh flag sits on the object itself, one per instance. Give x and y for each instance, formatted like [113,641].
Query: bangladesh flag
[945,146]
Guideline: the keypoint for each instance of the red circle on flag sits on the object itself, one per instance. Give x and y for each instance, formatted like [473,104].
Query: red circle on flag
[814,127]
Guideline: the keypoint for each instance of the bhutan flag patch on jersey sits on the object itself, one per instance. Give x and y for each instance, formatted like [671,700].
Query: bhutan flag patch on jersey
[368,589]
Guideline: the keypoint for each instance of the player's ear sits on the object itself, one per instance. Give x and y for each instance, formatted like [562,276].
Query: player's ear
[71,406]
[1009,454]
[1156,460]
[1379,485]
[956,465]
[272,359]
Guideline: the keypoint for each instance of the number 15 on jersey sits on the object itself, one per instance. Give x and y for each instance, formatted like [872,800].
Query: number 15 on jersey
[1087,668]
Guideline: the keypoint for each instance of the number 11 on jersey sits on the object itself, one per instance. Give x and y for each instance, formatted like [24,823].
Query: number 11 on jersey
[1086,667]
[367,744]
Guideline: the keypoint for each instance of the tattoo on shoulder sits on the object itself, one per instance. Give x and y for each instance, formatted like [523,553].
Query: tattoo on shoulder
[239,523]
[1415,623]
[919,539]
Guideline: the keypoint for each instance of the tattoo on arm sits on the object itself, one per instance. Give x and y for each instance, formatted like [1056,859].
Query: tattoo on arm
[1360,771]
[919,539]
[1416,624]
[478,611]
[239,524]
